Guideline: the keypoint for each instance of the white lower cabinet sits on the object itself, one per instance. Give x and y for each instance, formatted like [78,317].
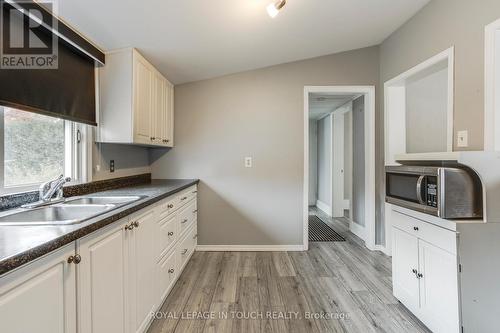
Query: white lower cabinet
[111,280]
[425,276]
[40,297]
[103,281]
[142,270]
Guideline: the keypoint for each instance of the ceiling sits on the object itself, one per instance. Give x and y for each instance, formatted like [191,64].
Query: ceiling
[322,104]
[191,40]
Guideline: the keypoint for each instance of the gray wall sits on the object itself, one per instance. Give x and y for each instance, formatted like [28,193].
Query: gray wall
[358,148]
[313,162]
[129,160]
[426,113]
[324,160]
[259,113]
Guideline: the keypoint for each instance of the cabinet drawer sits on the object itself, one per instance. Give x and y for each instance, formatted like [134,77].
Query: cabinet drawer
[440,237]
[168,206]
[188,195]
[186,247]
[167,234]
[187,216]
[167,275]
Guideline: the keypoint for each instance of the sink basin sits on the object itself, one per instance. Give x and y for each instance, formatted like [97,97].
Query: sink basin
[114,200]
[55,215]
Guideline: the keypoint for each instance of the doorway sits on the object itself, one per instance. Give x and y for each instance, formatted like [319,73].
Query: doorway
[339,160]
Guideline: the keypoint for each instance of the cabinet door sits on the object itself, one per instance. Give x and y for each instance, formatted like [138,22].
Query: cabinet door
[40,297]
[101,282]
[142,270]
[158,118]
[143,92]
[404,265]
[169,114]
[438,288]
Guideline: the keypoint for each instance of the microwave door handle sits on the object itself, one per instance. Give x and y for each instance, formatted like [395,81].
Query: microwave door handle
[419,190]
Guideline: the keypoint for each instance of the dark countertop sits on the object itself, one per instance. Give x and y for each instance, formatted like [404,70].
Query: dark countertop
[22,244]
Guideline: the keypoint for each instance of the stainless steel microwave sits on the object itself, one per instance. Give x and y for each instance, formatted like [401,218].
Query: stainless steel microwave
[446,192]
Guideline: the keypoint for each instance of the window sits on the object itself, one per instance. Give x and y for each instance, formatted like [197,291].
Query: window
[37,148]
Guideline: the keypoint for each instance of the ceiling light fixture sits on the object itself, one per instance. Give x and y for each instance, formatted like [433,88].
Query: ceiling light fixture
[273,9]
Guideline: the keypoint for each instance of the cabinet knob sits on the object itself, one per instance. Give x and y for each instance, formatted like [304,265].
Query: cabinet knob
[170,233]
[76,259]
[171,271]
[415,228]
[184,251]
[152,138]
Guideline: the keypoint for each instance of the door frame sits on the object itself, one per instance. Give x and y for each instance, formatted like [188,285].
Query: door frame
[368,233]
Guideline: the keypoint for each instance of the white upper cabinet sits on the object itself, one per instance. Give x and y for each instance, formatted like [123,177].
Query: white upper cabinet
[135,101]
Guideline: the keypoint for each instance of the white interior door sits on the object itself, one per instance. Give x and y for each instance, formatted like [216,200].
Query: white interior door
[338,164]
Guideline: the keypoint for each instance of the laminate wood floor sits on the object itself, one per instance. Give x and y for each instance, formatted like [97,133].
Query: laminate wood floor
[333,287]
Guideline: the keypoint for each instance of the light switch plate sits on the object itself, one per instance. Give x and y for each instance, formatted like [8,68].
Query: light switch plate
[248,162]
[463,139]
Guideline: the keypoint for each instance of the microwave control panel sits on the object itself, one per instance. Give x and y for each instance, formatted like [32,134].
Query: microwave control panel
[431,194]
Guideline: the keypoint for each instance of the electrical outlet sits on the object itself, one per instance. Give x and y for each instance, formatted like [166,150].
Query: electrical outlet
[248,162]
[112,166]
[463,139]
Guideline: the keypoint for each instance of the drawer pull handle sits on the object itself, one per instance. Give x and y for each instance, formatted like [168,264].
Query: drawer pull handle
[194,192]
[195,211]
[171,271]
[129,226]
[195,236]
[170,233]
[170,206]
[420,275]
[415,228]
[414,271]
[136,224]
[183,198]
[76,259]
[184,221]
[184,251]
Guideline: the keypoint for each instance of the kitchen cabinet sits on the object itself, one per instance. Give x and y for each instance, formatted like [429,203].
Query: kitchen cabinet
[425,272]
[142,270]
[108,281]
[135,101]
[103,281]
[41,297]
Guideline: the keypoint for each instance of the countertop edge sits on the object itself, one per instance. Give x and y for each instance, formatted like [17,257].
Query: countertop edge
[9,264]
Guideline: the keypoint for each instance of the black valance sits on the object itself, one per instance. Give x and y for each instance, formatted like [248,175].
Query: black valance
[45,66]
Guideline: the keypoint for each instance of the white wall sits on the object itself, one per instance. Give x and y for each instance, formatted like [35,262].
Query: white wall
[313,162]
[324,160]
[426,113]
[129,160]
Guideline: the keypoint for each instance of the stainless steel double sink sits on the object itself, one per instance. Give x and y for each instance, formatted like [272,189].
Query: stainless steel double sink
[71,211]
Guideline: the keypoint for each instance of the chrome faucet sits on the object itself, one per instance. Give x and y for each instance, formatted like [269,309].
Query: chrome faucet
[47,191]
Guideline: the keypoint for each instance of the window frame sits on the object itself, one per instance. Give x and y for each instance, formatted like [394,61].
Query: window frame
[77,159]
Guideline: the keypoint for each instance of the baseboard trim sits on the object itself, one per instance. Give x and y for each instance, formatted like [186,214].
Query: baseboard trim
[324,207]
[357,229]
[249,248]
